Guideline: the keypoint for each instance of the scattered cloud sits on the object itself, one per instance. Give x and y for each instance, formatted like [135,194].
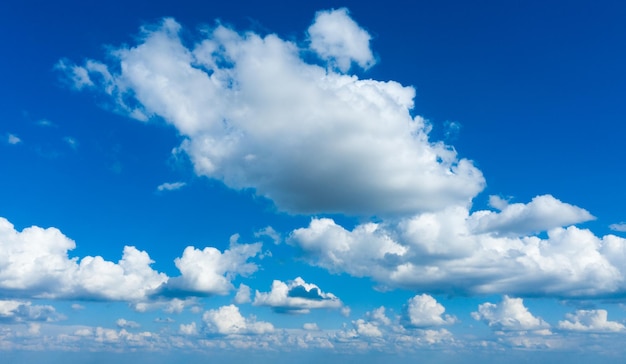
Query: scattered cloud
[72,142]
[243,294]
[171,186]
[296,296]
[227,320]
[424,311]
[123,323]
[590,321]
[12,311]
[189,329]
[509,315]
[310,326]
[209,271]
[13,139]
[621,227]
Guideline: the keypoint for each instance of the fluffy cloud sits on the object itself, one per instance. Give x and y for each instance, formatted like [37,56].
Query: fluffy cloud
[227,320]
[296,296]
[13,139]
[424,311]
[123,323]
[621,227]
[541,214]
[243,294]
[35,263]
[590,321]
[12,311]
[442,252]
[209,271]
[241,100]
[509,315]
[337,38]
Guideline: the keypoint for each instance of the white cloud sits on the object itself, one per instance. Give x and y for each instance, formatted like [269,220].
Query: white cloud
[35,264]
[441,252]
[541,214]
[509,315]
[365,328]
[123,323]
[171,186]
[241,100]
[424,311]
[590,321]
[296,296]
[621,227]
[227,320]
[13,139]
[269,232]
[72,142]
[243,294]
[209,271]
[310,326]
[336,38]
[189,329]
[12,311]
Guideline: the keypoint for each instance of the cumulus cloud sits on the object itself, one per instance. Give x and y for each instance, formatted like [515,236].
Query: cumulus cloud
[541,214]
[209,271]
[442,252]
[171,186]
[12,311]
[424,311]
[296,296]
[227,320]
[35,263]
[243,294]
[509,315]
[590,321]
[336,38]
[241,100]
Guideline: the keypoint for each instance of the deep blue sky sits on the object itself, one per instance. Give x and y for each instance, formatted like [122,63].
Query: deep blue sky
[532,93]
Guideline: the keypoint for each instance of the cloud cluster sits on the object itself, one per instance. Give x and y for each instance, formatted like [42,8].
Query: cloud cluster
[35,263]
[509,315]
[242,100]
[590,321]
[12,311]
[453,250]
[296,296]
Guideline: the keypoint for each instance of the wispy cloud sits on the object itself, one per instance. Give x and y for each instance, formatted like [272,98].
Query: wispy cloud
[171,186]
[13,139]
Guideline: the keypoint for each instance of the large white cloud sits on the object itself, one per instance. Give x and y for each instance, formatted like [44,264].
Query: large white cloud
[442,252]
[35,263]
[254,114]
[296,296]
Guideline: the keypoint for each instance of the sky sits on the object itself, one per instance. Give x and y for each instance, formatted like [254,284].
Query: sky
[296,182]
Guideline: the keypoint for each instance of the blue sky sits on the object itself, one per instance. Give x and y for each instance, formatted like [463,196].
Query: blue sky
[289,182]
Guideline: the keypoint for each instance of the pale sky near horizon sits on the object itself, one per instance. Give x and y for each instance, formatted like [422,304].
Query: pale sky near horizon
[287,182]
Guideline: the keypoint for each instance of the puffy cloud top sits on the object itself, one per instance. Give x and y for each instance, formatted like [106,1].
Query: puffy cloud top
[590,320]
[510,314]
[423,311]
[339,39]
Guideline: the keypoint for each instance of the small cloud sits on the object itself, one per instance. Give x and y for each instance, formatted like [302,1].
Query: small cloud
[45,123]
[310,326]
[270,233]
[164,320]
[621,227]
[71,142]
[122,323]
[13,139]
[171,186]
[243,294]
[296,296]
[451,130]
[190,329]
[77,307]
